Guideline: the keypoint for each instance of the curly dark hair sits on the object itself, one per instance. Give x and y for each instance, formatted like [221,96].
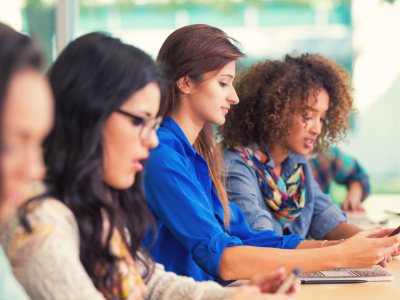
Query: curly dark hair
[268,92]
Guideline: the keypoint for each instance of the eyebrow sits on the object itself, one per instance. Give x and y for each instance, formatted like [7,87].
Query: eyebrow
[313,109]
[138,112]
[228,75]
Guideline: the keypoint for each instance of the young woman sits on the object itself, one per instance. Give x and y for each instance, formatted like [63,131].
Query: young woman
[82,241]
[336,166]
[25,119]
[200,234]
[293,106]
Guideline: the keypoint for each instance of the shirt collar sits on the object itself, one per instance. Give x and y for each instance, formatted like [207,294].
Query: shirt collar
[292,160]
[172,126]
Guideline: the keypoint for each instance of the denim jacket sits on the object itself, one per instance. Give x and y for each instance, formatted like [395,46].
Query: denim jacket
[318,217]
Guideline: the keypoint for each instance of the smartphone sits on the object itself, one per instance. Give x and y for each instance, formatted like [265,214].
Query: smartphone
[288,282]
[395,232]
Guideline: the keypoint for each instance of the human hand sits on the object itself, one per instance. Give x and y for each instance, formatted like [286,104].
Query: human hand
[352,204]
[253,292]
[353,199]
[383,234]
[270,281]
[364,251]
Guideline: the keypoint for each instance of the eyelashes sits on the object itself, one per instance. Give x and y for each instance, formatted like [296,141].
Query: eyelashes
[223,84]
[321,120]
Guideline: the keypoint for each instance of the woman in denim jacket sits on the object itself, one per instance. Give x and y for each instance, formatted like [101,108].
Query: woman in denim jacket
[287,109]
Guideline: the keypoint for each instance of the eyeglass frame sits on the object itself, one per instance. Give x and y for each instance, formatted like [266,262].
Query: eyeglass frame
[157,123]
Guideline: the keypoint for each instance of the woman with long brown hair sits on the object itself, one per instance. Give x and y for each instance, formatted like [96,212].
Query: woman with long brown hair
[201,234]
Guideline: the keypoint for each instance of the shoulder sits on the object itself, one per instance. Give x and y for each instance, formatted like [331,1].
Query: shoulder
[170,151]
[169,141]
[49,219]
[53,212]
[234,162]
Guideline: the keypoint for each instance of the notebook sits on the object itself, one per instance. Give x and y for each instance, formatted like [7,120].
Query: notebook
[369,274]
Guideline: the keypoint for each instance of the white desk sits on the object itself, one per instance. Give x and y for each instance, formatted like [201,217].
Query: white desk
[374,206]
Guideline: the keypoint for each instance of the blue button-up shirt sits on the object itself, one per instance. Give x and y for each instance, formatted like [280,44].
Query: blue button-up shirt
[318,217]
[189,215]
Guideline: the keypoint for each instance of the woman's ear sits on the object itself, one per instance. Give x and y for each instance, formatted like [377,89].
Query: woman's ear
[183,84]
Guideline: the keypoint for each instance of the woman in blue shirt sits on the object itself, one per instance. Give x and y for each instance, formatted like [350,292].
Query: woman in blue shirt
[201,234]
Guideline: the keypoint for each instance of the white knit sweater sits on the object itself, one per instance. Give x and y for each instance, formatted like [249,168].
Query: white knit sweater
[46,262]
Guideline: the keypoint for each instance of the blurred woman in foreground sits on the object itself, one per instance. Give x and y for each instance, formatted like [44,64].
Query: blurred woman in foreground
[25,119]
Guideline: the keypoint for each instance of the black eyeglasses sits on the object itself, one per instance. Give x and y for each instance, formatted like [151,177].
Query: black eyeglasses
[146,124]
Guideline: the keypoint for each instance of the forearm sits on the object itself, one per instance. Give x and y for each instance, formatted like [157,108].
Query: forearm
[342,231]
[314,244]
[355,191]
[243,262]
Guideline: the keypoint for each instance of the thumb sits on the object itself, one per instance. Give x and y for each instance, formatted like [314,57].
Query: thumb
[370,232]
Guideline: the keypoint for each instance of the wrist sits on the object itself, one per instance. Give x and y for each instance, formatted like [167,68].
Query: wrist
[329,243]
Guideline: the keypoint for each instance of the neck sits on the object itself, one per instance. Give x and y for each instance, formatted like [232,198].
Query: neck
[278,155]
[190,125]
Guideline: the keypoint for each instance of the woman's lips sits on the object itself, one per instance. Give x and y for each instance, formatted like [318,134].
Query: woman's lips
[137,165]
[308,143]
[225,109]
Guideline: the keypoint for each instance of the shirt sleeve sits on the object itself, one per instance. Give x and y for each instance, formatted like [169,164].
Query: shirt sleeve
[52,268]
[177,198]
[168,285]
[244,191]
[10,289]
[347,170]
[266,238]
[326,215]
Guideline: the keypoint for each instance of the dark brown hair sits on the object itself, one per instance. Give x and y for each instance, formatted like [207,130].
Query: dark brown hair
[193,51]
[268,92]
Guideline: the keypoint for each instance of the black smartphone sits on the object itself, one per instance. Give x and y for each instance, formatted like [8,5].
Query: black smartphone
[395,232]
[288,282]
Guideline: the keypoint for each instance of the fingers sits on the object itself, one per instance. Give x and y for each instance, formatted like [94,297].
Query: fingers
[266,277]
[369,233]
[382,264]
[383,233]
[345,205]
[390,249]
[391,240]
[294,289]
[268,282]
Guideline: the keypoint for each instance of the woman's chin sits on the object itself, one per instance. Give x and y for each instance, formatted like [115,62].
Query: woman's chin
[122,184]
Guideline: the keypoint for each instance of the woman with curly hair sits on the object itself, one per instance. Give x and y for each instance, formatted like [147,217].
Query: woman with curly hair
[287,109]
[201,234]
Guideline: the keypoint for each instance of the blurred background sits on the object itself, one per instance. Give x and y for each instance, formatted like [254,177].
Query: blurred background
[361,35]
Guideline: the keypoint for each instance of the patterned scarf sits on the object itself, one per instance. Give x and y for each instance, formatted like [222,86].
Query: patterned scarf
[286,199]
[126,282]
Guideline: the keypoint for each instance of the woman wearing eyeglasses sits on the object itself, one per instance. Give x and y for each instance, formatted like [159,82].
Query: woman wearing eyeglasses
[82,239]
